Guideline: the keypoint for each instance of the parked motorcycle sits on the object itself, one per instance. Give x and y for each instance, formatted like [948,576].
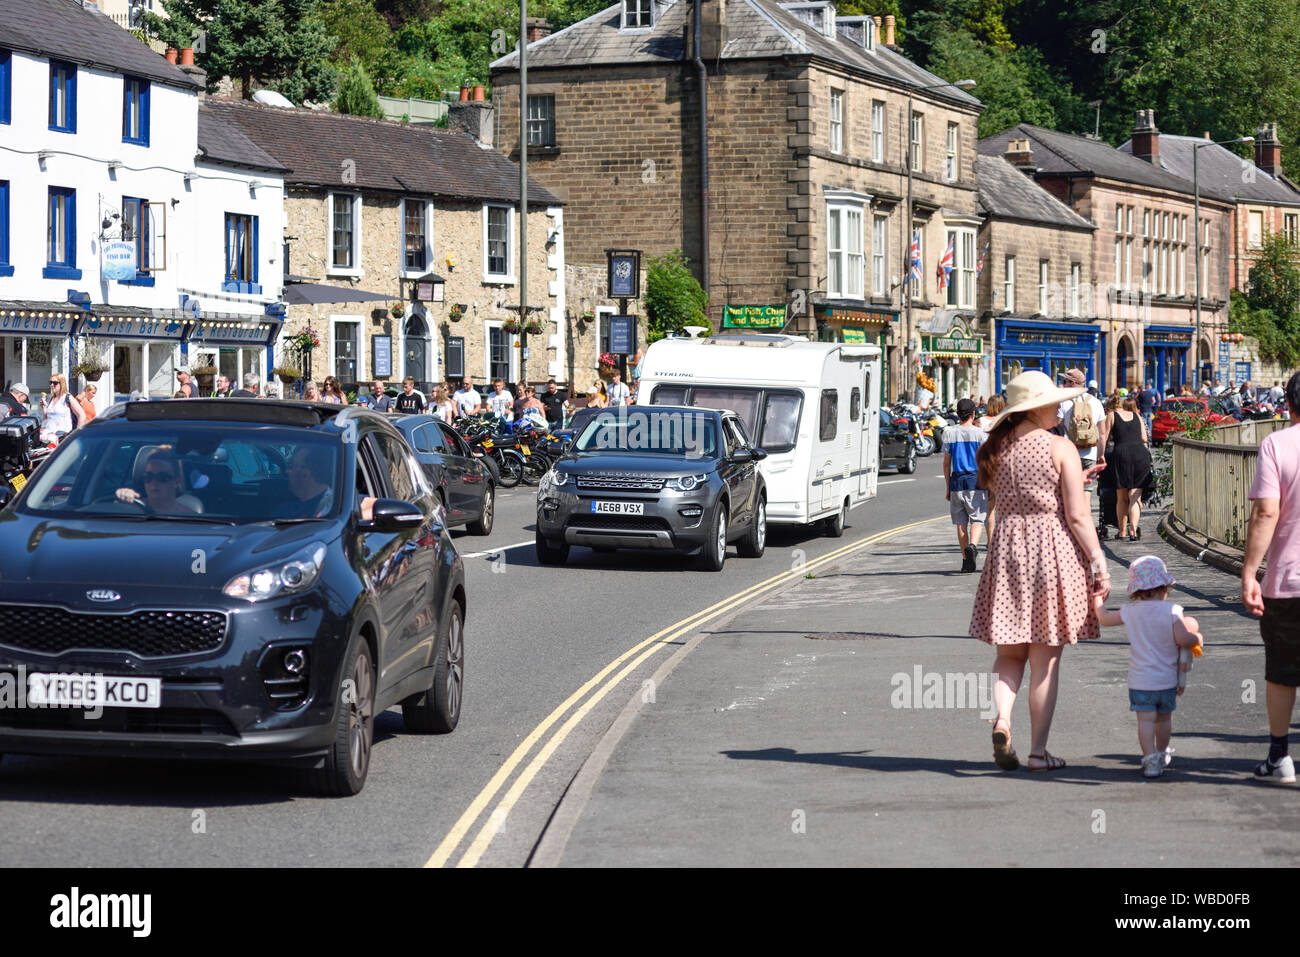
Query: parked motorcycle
[20,451]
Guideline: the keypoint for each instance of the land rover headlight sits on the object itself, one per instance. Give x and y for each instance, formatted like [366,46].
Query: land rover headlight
[687,483]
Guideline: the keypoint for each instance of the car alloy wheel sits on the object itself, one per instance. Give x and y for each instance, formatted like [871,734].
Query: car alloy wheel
[361,714]
[755,540]
[453,671]
[483,525]
[714,553]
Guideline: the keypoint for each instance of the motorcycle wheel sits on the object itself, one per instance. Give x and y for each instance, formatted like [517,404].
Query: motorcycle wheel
[511,467]
[535,466]
[924,446]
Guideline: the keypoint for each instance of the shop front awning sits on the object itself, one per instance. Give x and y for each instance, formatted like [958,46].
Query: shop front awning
[319,293]
[25,317]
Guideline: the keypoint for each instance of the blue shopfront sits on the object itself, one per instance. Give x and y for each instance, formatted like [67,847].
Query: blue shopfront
[1164,356]
[1049,347]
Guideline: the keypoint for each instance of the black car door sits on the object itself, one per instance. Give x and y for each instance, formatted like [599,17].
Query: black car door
[414,563]
[472,474]
[425,440]
[455,485]
[379,555]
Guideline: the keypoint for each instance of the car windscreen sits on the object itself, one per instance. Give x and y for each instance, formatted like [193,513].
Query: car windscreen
[779,411]
[190,471]
[1181,405]
[670,432]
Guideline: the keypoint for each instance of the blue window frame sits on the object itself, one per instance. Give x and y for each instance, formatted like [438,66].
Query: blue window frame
[6,85]
[135,229]
[63,96]
[135,110]
[61,235]
[241,254]
[6,268]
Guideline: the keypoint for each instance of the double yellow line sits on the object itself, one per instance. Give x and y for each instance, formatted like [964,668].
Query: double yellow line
[638,654]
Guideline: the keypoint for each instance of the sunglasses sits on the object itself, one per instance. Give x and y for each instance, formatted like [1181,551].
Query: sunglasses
[160,476]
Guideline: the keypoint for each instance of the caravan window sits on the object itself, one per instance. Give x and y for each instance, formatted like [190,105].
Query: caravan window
[855,404]
[830,414]
[780,421]
[668,395]
[743,402]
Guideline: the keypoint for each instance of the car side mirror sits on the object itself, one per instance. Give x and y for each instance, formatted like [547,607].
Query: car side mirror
[6,495]
[741,456]
[759,454]
[393,515]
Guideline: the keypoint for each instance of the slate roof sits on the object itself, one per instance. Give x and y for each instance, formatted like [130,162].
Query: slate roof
[1071,154]
[756,29]
[223,142]
[1005,191]
[320,148]
[1221,171]
[65,30]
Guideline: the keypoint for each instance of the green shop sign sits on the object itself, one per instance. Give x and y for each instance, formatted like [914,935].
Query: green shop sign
[753,317]
[952,345]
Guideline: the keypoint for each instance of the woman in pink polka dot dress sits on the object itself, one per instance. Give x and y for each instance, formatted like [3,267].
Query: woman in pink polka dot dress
[1044,560]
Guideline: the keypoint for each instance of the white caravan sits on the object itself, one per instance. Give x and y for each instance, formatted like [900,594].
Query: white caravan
[813,406]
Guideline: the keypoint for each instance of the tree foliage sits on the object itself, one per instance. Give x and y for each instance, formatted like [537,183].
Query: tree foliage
[276,44]
[1270,309]
[674,298]
[357,94]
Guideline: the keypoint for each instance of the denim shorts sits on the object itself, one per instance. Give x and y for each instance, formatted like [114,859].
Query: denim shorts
[1161,702]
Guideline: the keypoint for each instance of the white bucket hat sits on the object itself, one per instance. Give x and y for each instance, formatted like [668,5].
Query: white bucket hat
[1032,390]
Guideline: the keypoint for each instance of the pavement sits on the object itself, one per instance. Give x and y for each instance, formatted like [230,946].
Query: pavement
[801,733]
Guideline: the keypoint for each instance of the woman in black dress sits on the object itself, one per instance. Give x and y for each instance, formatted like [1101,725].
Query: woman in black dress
[1131,463]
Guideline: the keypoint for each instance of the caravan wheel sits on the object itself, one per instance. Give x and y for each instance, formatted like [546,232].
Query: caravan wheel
[836,523]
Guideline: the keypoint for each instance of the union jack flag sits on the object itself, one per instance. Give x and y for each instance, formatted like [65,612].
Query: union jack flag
[914,260]
[945,264]
[979,267]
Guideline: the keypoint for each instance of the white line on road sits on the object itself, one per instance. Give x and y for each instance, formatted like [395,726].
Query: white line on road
[503,548]
[894,481]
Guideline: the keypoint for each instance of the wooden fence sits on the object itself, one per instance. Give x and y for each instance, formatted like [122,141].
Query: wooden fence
[1212,480]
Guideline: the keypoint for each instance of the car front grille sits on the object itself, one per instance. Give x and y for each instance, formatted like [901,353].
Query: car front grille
[624,523]
[148,634]
[119,720]
[609,483]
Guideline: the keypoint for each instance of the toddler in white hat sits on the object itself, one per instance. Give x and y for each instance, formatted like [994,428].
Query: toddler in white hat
[1157,632]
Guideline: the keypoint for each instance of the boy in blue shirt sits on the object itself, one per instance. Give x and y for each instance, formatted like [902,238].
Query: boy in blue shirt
[967,503]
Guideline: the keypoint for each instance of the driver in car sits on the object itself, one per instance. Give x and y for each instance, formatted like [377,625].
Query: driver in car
[162,486]
[310,471]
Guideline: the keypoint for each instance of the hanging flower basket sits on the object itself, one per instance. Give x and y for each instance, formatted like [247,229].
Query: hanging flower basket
[91,369]
[511,326]
[457,310]
[306,340]
[534,328]
[398,310]
[588,316]
[286,374]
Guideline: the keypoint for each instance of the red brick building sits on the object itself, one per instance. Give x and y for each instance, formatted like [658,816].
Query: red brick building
[807,146]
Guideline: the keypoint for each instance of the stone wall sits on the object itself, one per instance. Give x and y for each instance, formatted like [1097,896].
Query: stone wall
[457,236]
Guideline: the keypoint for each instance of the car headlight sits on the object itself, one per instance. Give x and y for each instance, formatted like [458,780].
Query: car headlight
[687,483]
[283,578]
[559,478]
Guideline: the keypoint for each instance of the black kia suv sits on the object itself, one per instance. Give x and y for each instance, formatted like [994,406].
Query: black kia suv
[229,578]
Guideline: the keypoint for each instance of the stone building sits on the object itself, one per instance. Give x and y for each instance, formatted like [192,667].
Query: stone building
[383,218]
[1264,201]
[1144,249]
[808,139]
[1032,288]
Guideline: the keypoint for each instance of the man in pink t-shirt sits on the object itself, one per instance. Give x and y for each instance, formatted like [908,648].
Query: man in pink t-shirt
[1275,530]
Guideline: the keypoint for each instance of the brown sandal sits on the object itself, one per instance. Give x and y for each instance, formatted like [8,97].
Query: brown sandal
[1003,754]
[1050,761]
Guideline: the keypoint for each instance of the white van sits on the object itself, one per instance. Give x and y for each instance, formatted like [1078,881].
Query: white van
[814,407]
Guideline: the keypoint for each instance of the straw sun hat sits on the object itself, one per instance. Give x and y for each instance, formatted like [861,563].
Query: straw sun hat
[1032,390]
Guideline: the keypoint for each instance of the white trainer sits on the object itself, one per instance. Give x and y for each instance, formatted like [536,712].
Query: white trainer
[1153,764]
[1282,772]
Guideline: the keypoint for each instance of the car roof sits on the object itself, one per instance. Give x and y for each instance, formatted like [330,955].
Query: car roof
[289,413]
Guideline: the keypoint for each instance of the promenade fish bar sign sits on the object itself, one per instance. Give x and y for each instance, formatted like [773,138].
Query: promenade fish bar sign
[753,317]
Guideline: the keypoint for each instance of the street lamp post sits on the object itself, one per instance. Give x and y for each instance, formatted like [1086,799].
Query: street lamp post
[1196,220]
[907,236]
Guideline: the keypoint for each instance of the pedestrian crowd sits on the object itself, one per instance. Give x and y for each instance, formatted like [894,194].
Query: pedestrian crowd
[1045,578]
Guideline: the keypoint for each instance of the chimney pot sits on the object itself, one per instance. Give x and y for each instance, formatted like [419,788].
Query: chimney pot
[1020,154]
[1268,149]
[889,30]
[1146,138]
[538,28]
[879,22]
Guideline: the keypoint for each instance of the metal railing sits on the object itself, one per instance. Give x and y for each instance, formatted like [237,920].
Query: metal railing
[1212,480]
